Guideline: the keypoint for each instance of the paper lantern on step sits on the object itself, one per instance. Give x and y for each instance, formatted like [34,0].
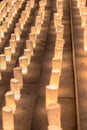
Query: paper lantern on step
[15,88]
[55,77]
[54,127]
[32,37]
[51,94]
[23,63]
[10,100]
[3,61]
[13,46]
[7,51]
[56,64]
[27,53]
[7,118]
[17,72]
[29,45]
[54,114]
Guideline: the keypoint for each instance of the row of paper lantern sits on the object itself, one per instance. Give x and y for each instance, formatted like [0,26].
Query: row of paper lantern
[15,37]
[7,15]
[16,83]
[52,104]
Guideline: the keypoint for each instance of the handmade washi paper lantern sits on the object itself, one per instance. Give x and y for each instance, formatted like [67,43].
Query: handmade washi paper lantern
[2,61]
[51,94]
[55,77]
[29,45]
[27,53]
[10,100]
[15,88]
[13,46]
[7,51]
[54,127]
[17,72]
[56,64]
[23,63]
[54,114]
[7,118]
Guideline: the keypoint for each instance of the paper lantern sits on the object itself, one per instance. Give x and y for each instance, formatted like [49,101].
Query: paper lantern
[13,46]
[10,101]
[54,127]
[22,22]
[33,29]
[38,25]
[18,33]
[56,64]
[32,3]
[42,14]
[51,94]
[7,118]
[58,53]
[17,71]
[38,19]
[59,43]
[29,45]
[55,77]
[60,31]
[23,63]
[2,61]
[54,114]
[5,26]
[15,88]
[83,11]
[13,36]
[27,53]
[1,31]
[7,51]
[32,37]
[57,19]
[24,15]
